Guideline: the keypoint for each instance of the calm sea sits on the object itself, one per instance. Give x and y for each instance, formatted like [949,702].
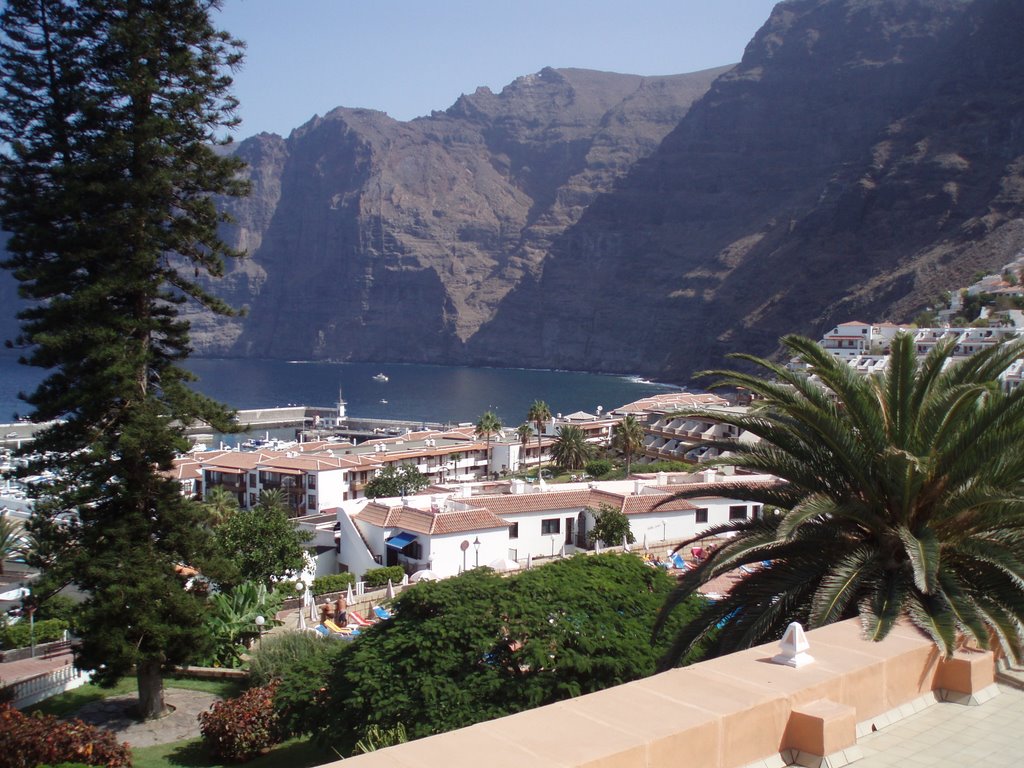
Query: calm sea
[413,392]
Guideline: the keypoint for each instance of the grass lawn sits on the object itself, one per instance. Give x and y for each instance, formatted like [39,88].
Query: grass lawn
[295,753]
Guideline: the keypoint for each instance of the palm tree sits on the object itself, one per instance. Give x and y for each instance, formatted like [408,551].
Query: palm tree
[539,414]
[11,539]
[524,432]
[901,497]
[488,425]
[571,449]
[220,504]
[628,438]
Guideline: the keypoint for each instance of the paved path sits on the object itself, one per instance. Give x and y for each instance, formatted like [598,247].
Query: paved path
[13,671]
[183,723]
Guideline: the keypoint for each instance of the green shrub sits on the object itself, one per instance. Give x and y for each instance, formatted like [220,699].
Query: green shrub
[599,467]
[60,607]
[27,741]
[376,578]
[334,582]
[239,729]
[20,635]
[299,662]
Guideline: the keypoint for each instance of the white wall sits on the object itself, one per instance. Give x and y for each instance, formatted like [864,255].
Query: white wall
[331,486]
[446,557]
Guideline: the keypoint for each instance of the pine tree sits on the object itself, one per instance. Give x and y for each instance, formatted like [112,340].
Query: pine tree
[108,113]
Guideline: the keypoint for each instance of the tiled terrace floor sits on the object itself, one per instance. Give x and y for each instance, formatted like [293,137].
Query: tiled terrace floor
[947,735]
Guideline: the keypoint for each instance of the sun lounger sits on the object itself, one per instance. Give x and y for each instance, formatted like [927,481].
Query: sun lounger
[382,613]
[336,628]
[354,617]
[678,562]
[747,569]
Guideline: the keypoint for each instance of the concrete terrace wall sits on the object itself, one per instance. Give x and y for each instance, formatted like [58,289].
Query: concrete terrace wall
[738,710]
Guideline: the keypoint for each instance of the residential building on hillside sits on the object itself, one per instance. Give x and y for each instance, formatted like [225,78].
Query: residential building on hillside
[866,347]
[449,532]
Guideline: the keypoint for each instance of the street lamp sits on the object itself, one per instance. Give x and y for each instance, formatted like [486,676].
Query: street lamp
[476,543]
[300,587]
[260,621]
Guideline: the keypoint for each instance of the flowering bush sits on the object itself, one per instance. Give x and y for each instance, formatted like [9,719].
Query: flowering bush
[30,740]
[239,729]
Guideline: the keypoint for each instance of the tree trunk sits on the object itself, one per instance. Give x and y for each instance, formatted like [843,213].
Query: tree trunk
[151,689]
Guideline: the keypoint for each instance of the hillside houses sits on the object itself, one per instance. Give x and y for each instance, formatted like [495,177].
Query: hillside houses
[447,533]
[865,347]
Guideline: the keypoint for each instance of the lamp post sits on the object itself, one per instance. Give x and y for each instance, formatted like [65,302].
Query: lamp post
[476,543]
[260,621]
[300,587]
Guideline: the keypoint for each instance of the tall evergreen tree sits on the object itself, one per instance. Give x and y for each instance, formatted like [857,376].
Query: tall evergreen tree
[108,110]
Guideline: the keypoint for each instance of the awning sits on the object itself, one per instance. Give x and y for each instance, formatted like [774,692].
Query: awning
[401,540]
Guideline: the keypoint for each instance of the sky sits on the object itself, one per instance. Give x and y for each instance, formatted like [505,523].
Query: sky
[410,57]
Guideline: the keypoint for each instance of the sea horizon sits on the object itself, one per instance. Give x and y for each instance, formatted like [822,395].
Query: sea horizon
[427,392]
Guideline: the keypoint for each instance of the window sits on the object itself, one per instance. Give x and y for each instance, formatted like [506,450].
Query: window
[738,512]
[311,481]
[756,511]
[550,526]
[702,515]
[513,531]
[312,501]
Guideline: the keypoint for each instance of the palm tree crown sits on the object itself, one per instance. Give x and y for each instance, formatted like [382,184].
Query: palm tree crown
[539,414]
[571,449]
[628,438]
[900,496]
[488,426]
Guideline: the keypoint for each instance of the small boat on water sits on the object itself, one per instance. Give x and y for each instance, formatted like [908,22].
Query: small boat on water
[380,377]
[383,402]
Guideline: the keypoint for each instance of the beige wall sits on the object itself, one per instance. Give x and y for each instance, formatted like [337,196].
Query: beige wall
[723,713]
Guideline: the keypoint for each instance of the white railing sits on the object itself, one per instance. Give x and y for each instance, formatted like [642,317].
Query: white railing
[32,690]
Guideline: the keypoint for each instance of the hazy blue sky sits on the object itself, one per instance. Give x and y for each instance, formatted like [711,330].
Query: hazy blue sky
[408,57]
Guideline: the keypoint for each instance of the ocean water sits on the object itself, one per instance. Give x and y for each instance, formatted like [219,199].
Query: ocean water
[445,394]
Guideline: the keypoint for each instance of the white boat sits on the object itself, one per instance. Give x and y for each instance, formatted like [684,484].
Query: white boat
[380,377]
[383,402]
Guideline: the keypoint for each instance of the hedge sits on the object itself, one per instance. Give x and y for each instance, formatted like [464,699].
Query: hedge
[378,577]
[20,635]
[334,582]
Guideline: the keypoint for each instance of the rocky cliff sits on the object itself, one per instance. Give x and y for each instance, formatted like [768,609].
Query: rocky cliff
[864,156]
[371,238]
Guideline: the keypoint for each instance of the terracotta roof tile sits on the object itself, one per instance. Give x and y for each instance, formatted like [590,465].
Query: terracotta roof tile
[429,522]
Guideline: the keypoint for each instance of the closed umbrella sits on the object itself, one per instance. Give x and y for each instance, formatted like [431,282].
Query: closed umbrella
[349,597]
[390,594]
[625,543]
[529,560]
[597,546]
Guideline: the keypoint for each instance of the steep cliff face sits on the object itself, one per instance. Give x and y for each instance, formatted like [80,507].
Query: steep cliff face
[371,238]
[863,157]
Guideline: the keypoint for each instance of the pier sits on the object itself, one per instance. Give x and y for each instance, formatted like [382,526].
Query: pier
[308,422]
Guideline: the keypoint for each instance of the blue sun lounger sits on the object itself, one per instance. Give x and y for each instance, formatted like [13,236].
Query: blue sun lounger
[678,562]
[382,613]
